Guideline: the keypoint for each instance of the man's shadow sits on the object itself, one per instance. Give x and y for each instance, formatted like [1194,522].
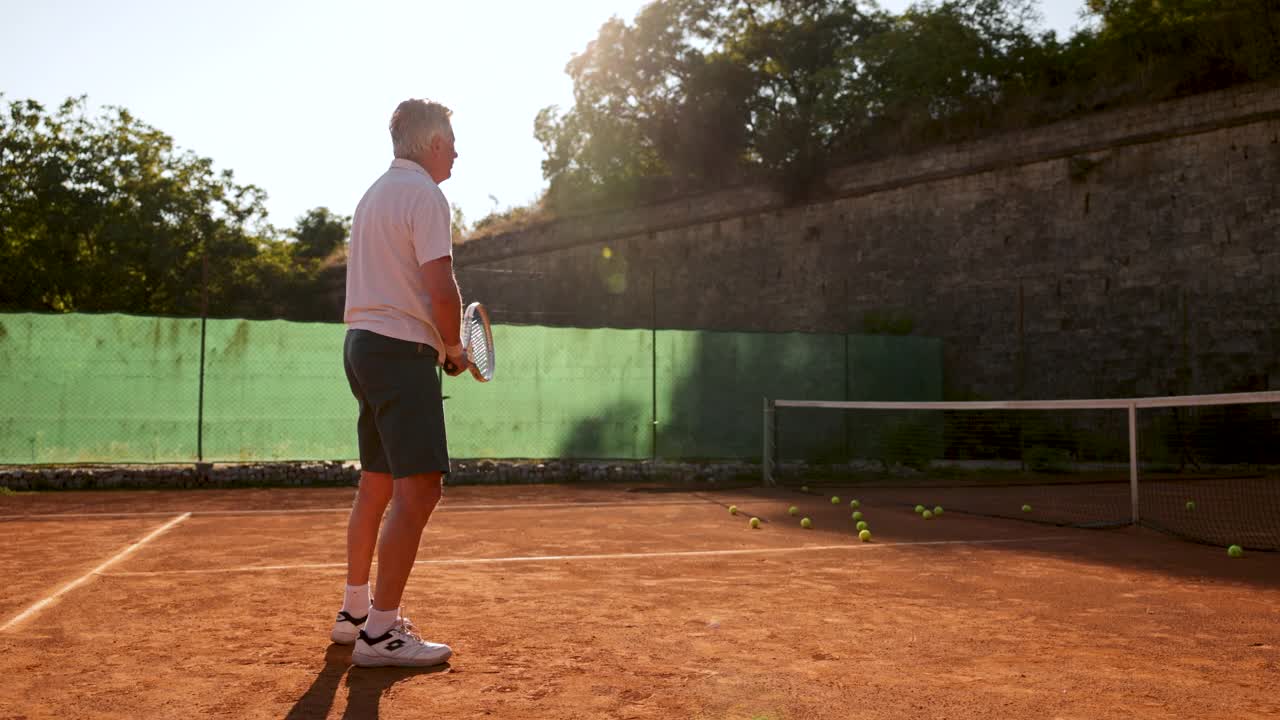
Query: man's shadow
[365,687]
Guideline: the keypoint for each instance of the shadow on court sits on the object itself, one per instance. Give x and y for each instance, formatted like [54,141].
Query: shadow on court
[365,687]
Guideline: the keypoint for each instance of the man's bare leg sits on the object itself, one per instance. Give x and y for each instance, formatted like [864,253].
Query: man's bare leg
[362,534]
[412,502]
[362,529]
[387,639]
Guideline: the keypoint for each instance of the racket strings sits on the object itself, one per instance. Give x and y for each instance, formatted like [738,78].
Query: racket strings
[479,345]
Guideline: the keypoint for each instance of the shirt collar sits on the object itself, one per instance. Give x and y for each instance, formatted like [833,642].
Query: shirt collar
[404,164]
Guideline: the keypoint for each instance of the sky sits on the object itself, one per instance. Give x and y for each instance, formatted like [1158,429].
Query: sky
[294,97]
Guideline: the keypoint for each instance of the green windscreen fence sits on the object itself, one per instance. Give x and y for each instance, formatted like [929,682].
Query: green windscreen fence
[556,393]
[712,386]
[887,369]
[116,388]
[276,390]
[90,388]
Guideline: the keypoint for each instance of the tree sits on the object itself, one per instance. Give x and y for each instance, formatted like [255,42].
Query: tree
[633,131]
[697,93]
[808,96]
[318,233]
[105,214]
[1169,47]
[948,65]
[457,224]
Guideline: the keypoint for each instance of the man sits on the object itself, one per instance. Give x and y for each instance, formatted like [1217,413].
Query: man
[403,314]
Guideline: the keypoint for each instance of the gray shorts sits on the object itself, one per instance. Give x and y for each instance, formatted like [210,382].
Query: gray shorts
[401,426]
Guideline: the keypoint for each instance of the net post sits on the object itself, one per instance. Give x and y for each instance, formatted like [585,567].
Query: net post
[766,461]
[1133,459]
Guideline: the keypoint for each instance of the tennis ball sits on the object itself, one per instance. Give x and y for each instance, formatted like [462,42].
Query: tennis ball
[865,536]
[793,510]
[927,515]
[806,523]
[855,504]
[606,253]
[733,509]
[857,515]
[804,488]
[937,510]
[835,500]
[1026,508]
[1235,551]
[1191,504]
[862,525]
[755,522]
[919,508]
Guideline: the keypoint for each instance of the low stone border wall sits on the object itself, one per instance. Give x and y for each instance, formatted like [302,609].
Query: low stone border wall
[321,474]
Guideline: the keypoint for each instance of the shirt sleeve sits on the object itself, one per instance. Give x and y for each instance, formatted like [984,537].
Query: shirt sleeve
[432,233]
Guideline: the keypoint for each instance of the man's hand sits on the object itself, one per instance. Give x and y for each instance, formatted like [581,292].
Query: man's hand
[455,362]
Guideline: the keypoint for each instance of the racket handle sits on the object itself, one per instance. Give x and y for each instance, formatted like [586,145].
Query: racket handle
[450,367]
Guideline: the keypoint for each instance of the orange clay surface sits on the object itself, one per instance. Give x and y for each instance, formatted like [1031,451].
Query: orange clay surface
[594,602]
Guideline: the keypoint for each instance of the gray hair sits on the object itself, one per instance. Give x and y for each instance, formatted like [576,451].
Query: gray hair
[415,123]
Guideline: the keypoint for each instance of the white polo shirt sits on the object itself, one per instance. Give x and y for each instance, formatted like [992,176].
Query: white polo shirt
[401,223]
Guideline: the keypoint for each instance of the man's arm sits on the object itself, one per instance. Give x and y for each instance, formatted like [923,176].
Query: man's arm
[446,303]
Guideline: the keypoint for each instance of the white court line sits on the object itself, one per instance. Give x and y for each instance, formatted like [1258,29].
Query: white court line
[444,507]
[604,556]
[82,516]
[126,552]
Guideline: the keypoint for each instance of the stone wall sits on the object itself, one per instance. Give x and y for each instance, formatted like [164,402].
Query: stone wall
[329,474]
[1134,252]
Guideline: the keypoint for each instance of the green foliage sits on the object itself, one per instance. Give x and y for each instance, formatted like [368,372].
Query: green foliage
[808,67]
[940,69]
[500,221]
[1160,48]
[105,214]
[458,229]
[630,87]
[704,93]
[319,233]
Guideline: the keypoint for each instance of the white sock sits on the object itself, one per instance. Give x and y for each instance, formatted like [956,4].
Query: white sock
[380,621]
[356,601]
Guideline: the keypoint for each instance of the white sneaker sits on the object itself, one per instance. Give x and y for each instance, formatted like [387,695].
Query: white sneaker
[400,646]
[346,628]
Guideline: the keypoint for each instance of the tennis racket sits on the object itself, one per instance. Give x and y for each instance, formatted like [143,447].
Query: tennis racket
[477,343]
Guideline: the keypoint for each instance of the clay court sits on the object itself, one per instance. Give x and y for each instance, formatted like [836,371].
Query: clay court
[596,602]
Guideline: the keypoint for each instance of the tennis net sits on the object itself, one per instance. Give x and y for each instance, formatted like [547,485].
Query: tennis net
[1202,467]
